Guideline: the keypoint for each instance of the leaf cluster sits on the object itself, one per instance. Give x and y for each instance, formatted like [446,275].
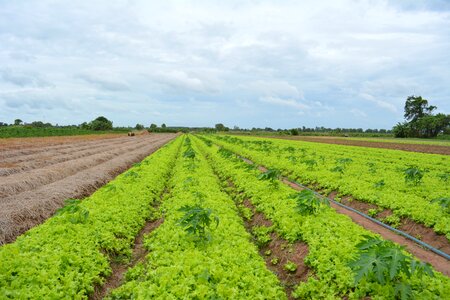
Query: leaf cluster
[309,203]
[413,175]
[77,214]
[197,220]
[385,263]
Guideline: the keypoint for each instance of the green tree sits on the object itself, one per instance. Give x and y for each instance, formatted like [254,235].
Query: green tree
[416,108]
[221,127]
[153,126]
[18,122]
[101,123]
[163,125]
[422,122]
[139,126]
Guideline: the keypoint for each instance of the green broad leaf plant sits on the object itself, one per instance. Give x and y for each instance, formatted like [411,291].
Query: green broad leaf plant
[309,203]
[198,221]
[386,263]
[76,214]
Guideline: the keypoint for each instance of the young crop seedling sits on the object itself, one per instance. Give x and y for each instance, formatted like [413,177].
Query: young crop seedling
[225,153]
[290,267]
[385,263]
[413,175]
[338,169]
[443,202]
[275,261]
[189,153]
[444,176]
[309,203]
[310,163]
[379,184]
[271,175]
[197,222]
[372,167]
[77,214]
[262,235]
[344,161]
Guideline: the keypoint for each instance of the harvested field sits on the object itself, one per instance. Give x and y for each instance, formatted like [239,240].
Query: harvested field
[435,149]
[37,177]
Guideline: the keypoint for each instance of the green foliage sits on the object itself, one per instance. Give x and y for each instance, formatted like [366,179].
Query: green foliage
[309,203]
[392,220]
[197,221]
[385,263]
[338,169]
[331,237]
[443,202]
[70,253]
[274,261]
[379,184]
[422,122]
[311,163]
[100,123]
[413,175]
[262,235]
[77,214]
[271,175]
[225,153]
[290,267]
[189,153]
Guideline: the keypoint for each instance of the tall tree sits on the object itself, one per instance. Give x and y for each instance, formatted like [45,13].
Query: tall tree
[416,108]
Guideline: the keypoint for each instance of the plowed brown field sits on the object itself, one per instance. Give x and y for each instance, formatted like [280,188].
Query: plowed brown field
[38,174]
[435,149]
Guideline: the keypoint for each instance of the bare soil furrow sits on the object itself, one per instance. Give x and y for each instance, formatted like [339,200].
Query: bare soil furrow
[21,182]
[20,212]
[51,157]
[22,153]
[40,142]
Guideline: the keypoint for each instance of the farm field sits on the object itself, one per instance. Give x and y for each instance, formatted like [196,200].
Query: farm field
[399,187]
[413,145]
[215,227]
[38,174]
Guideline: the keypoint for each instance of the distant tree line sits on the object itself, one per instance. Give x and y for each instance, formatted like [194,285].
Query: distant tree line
[420,121]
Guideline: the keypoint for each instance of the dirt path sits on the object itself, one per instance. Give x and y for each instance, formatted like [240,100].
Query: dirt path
[30,207]
[435,149]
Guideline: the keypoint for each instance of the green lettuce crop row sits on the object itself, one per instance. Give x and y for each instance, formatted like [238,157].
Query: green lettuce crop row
[405,182]
[69,254]
[332,238]
[201,250]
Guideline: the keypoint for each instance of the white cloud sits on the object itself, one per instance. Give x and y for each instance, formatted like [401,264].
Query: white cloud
[284,102]
[271,59]
[358,113]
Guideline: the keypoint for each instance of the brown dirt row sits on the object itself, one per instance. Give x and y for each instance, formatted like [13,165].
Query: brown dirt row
[278,252]
[39,142]
[48,157]
[23,152]
[17,183]
[21,212]
[435,149]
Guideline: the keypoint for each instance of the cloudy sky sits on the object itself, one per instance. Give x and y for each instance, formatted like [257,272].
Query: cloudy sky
[280,64]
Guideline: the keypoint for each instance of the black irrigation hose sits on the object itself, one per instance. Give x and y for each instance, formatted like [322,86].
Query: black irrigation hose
[404,234]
